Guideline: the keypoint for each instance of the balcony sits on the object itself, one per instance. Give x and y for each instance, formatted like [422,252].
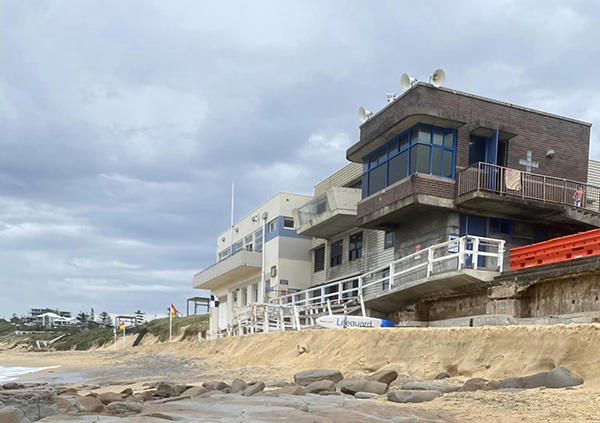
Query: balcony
[329,213]
[237,268]
[482,186]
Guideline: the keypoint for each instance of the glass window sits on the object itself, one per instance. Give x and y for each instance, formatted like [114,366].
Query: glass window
[239,246]
[373,160]
[449,140]
[404,142]
[272,226]
[248,242]
[419,158]
[398,167]
[336,253]
[436,161]
[224,254]
[421,134]
[255,293]
[235,296]
[377,179]
[389,240]
[244,296]
[288,222]
[501,226]
[393,146]
[355,246]
[258,240]
[448,164]
[319,259]
[438,137]
[382,155]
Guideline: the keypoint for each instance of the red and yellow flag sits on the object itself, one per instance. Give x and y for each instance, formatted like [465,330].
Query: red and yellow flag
[121,325]
[173,310]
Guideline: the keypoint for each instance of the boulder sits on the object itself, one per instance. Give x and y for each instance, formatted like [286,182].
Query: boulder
[492,385]
[108,397]
[276,384]
[475,384]
[352,386]
[127,391]
[66,403]
[510,383]
[253,389]
[412,396]
[561,377]
[194,392]
[215,386]
[320,386]
[365,395]
[90,405]
[124,408]
[34,404]
[534,381]
[174,389]
[238,385]
[307,377]
[12,415]
[441,376]
[12,385]
[286,390]
[144,396]
[383,376]
[429,386]
[402,378]
[212,393]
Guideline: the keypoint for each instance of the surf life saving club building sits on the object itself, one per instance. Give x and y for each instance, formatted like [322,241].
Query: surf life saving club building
[440,185]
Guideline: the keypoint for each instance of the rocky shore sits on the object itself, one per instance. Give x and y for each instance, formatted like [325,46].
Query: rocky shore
[320,396]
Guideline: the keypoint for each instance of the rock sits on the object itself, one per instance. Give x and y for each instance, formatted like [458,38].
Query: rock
[383,376]
[352,386]
[90,405]
[238,385]
[175,389]
[215,386]
[429,386]
[108,397]
[161,394]
[510,383]
[534,381]
[492,385]
[66,391]
[412,396]
[12,415]
[327,393]
[194,392]
[253,389]
[12,385]
[124,408]
[66,403]
[127,391]
[561,377]
[286,390]
[276,384]
[34,404]
[144,396]
[441,376]
[402,378]
[365,395]
[320,386]
[475,384]
[307,377]
[212,393]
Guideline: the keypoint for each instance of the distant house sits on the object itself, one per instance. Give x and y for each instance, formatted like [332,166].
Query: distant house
[51,320]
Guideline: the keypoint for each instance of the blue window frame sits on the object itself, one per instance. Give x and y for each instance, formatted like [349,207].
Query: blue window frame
[501,226]
[422,148]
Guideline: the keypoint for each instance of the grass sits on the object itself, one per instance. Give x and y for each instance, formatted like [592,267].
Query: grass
[6,327]
[193,324]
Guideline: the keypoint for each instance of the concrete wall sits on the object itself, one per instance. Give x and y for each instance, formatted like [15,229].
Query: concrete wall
[427,229]
[348,174]
[577,294]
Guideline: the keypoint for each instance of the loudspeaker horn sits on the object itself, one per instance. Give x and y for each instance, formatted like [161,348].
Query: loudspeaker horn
[406,81]
[437,78]
[363,114]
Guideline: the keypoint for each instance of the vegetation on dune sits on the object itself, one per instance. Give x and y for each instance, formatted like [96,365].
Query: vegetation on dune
[6,327]
[193,326]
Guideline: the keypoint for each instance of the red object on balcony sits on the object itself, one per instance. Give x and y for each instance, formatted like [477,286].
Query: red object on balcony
[583,244]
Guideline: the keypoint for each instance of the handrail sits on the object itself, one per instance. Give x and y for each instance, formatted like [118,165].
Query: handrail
[492,178]
[467,251]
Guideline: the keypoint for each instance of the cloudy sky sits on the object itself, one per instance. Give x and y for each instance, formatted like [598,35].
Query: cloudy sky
[122,124]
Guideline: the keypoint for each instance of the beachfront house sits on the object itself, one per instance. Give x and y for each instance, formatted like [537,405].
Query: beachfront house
[259,258]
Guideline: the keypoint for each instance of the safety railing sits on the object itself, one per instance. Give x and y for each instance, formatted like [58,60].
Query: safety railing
[500,180]
[467,252]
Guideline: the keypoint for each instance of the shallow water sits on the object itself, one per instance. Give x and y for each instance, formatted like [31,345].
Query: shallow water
[11,373]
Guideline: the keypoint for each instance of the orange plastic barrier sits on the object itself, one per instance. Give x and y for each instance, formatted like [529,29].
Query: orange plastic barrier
[583,244]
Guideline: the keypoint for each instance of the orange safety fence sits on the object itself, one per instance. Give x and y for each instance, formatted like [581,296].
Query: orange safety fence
[583,244]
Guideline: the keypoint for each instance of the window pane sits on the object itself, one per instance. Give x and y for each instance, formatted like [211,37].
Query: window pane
[397,168]
[419,158]
[449,140]
[364,186]
[436,161]
[382,154]
[373,160]
[319,259]
[421,134]
[403,142]
[393,147]
[377,179]
[438,137]
[447,164]
[389,240]
[288,222]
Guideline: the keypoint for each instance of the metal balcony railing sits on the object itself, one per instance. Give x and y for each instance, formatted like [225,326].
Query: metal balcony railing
[500,180]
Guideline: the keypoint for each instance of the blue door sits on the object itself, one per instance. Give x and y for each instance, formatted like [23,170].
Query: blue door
[491,157]
[473,225]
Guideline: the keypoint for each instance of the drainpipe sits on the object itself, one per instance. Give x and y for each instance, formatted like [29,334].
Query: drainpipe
[261,296]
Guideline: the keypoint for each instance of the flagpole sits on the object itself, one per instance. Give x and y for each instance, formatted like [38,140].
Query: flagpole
[115,333]
[170,324]
[123,336]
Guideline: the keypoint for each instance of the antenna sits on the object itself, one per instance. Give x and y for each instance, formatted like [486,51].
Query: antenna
[364,115]
[390,97]
[437,78]
[406,81]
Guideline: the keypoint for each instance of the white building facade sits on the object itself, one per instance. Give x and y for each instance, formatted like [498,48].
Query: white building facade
[260,257]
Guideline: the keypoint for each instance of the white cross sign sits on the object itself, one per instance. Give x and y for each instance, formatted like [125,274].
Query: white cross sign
[529,163]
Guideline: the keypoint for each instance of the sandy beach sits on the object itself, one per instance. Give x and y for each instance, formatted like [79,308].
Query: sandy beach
[491,353]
